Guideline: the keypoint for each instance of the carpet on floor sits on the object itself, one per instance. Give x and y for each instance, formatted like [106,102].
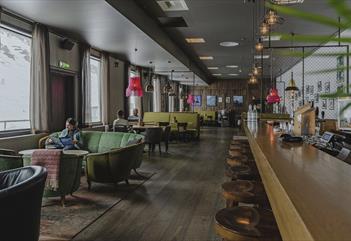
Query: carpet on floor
[83,208]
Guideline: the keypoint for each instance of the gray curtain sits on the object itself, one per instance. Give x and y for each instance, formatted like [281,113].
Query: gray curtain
[105,108]
[40,87]
[86,86]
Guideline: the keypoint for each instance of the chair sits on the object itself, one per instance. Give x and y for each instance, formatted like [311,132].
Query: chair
[21,192]
[121,128]
[9,159]
[153,136]
[182,130]
[166,136]
[163,123]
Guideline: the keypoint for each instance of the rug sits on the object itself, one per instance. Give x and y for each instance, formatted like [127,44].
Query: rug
[83,208]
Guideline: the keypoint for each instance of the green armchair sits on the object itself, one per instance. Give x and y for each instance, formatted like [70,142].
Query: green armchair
[9,159]
[69,176]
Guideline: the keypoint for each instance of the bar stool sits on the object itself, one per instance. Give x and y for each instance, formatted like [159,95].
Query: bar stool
[244,191]
[246,224]
[241,172]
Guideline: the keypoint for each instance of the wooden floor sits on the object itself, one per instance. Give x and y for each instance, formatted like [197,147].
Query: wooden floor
[179,202]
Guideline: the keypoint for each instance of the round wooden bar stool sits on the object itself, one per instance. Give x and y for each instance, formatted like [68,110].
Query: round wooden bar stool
[244,191]
[246,224]
[241,172]
[237,161]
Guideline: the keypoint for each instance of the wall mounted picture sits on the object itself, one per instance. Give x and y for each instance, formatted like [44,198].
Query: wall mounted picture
[340,73]
[316,98]
[327,87]
[238,100]
[311,89]
[197,100]
[211,100]
[220,100]
[331,104]
[319,86]
[344,118]
[324,104]
[227,100]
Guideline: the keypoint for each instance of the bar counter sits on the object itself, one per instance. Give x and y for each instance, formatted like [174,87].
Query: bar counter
[309,190]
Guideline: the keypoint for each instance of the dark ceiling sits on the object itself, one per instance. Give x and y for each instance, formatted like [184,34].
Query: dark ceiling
[233,20]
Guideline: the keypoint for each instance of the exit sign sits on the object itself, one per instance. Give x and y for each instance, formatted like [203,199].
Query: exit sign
[64,65]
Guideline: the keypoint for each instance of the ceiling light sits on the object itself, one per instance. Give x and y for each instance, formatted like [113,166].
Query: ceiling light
[217,74]
[272,38]
[264,28]
[252,79]
[172,5]
[195,40]
[286,2]
[233,74]
[259,45]
[232,66]
[263,56]
[228,44]
[206,57]
[212,67]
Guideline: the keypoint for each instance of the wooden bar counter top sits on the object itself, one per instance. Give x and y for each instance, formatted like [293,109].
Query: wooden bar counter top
[309,190]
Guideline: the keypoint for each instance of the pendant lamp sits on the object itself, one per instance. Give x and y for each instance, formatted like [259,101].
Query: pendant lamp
[292,85]
[273,96]
[190,100]
[134,87]
[149,87]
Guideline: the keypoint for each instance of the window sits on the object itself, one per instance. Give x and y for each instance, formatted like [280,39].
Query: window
[95,75]
[15,55]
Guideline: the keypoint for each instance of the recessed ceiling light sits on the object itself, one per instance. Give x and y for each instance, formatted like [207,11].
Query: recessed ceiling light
[233,74]
[232,66]
[228,44]
[212,67]
[217,74]
[273,38]
[206,57]
[264,56]
[195,40]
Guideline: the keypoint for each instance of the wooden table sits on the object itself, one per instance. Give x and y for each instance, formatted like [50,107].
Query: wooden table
[68,152]
[309,190]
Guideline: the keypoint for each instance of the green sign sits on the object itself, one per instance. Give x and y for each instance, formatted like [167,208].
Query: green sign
[64,65]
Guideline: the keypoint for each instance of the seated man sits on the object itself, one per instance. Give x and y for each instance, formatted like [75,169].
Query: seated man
[135,116]
[120,119]
[69,138]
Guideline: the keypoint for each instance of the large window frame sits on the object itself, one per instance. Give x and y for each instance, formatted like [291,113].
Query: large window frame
[98,87]
[4,131]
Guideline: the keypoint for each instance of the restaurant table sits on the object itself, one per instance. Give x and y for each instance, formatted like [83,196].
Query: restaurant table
[68,152]
[308,189]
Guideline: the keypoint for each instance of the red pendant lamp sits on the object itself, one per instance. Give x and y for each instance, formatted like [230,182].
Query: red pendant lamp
[190,100]
[134,87]
[273,96]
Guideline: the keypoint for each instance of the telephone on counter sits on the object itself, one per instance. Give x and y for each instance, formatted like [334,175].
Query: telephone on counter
[290,138]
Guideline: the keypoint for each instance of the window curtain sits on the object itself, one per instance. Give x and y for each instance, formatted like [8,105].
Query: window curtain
[86,83]
[157,95]
[104,88]
[40,88]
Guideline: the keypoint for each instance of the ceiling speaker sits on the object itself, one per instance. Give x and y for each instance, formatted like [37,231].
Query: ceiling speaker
[67,44]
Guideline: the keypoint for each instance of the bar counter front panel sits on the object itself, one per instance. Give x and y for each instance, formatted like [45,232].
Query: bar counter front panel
[309,190]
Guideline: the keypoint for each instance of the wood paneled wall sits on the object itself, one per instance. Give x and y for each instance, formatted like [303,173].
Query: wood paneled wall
[229,88]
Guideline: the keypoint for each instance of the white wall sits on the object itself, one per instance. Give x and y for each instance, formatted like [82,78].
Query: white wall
[315,63]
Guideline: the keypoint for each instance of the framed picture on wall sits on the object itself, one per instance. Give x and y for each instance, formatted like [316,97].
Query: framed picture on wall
[197,100]
[331,104]
[311,89]
[316,98]
[327,87]
[319,86]
[220,100]
[324,104]
[340,73]
[227,100]
[211,100]
[238,99]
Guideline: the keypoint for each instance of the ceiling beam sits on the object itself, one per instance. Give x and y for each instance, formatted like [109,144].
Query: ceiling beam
[150,27]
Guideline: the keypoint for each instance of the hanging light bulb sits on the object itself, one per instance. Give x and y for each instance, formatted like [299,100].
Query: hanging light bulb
[271,17]
[149,87]
[252,79]
[256,70]
[292,85]
[259,45]
[273,96]
[264,28]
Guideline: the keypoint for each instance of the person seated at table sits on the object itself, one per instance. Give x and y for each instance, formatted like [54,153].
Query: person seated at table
[120,119]
[69,138]
[135,116]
